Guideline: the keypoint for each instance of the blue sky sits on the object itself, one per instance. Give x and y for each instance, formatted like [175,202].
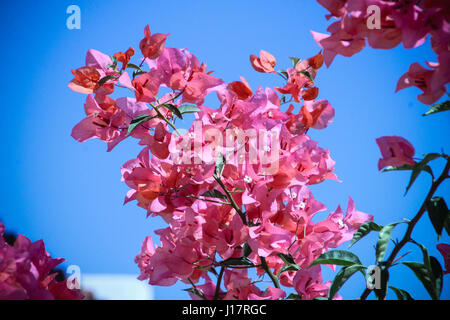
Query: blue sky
[70,194]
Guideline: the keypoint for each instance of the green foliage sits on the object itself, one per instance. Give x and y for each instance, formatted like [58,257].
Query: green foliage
[364,230]
[214,194]
[383,240]
[439,214]
[137,121]
[443,106]
[338,257]
[342,276]
[401,294]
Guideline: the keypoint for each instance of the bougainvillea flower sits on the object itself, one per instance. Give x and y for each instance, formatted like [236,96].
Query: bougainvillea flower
[295,85]
[420,77]
[103,120]
[444,249]
[152,46]
[241,89]
[124,57]
[147,86]
[265,63]
[346,39]
[98,66]
[309,284]
[396,152]
[85,81]
[25,272]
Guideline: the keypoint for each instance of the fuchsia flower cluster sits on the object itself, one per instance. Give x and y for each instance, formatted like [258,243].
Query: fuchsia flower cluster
[402,21]
[232,218]
[25,272]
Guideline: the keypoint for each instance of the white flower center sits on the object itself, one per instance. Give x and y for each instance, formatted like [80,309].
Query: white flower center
[302,205]
[248,179]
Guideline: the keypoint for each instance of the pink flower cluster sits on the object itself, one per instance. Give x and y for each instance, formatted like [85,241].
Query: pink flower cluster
[402,21]
[229,216]
[25,272]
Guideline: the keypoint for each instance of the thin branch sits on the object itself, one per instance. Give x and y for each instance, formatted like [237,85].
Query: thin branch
[269,272]
[219,280]
[407,237]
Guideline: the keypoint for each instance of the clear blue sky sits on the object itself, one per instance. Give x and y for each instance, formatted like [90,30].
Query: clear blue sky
[70,194]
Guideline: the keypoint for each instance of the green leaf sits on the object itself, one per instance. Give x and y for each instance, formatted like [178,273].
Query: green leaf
[406,167]
[247,250]
[288,268]
[341,277]
[338,257]
[421,166]
[364,230]
[425,276]
[105,79]
[284,73]
[294,60]
[220,165]
[401,294]
[196,292]
[443,106]
[244,261]
[137,121]
[383,240]
[307,74]
[237,190]
[287,258]
[436,269]
[214,194]
[294,296]
[401,168]
[438,213]
[172,108]
[133,66]
[138,73]
[188,108]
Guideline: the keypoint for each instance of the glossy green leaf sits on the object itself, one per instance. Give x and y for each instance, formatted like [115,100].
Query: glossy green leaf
[294,296]
[105,79]
[401,294]
[364,230]
[307,74]
[247,250]
[137,121]
[341,277]
[421,166]
[443,106]
[438,213]
[337,257]
[244,261]
[438,274]
[172,108]
[287,258]
[293,267]
[215,194]
[188,108]
[425,276]
[383,240]
[133,66]
[294,60]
